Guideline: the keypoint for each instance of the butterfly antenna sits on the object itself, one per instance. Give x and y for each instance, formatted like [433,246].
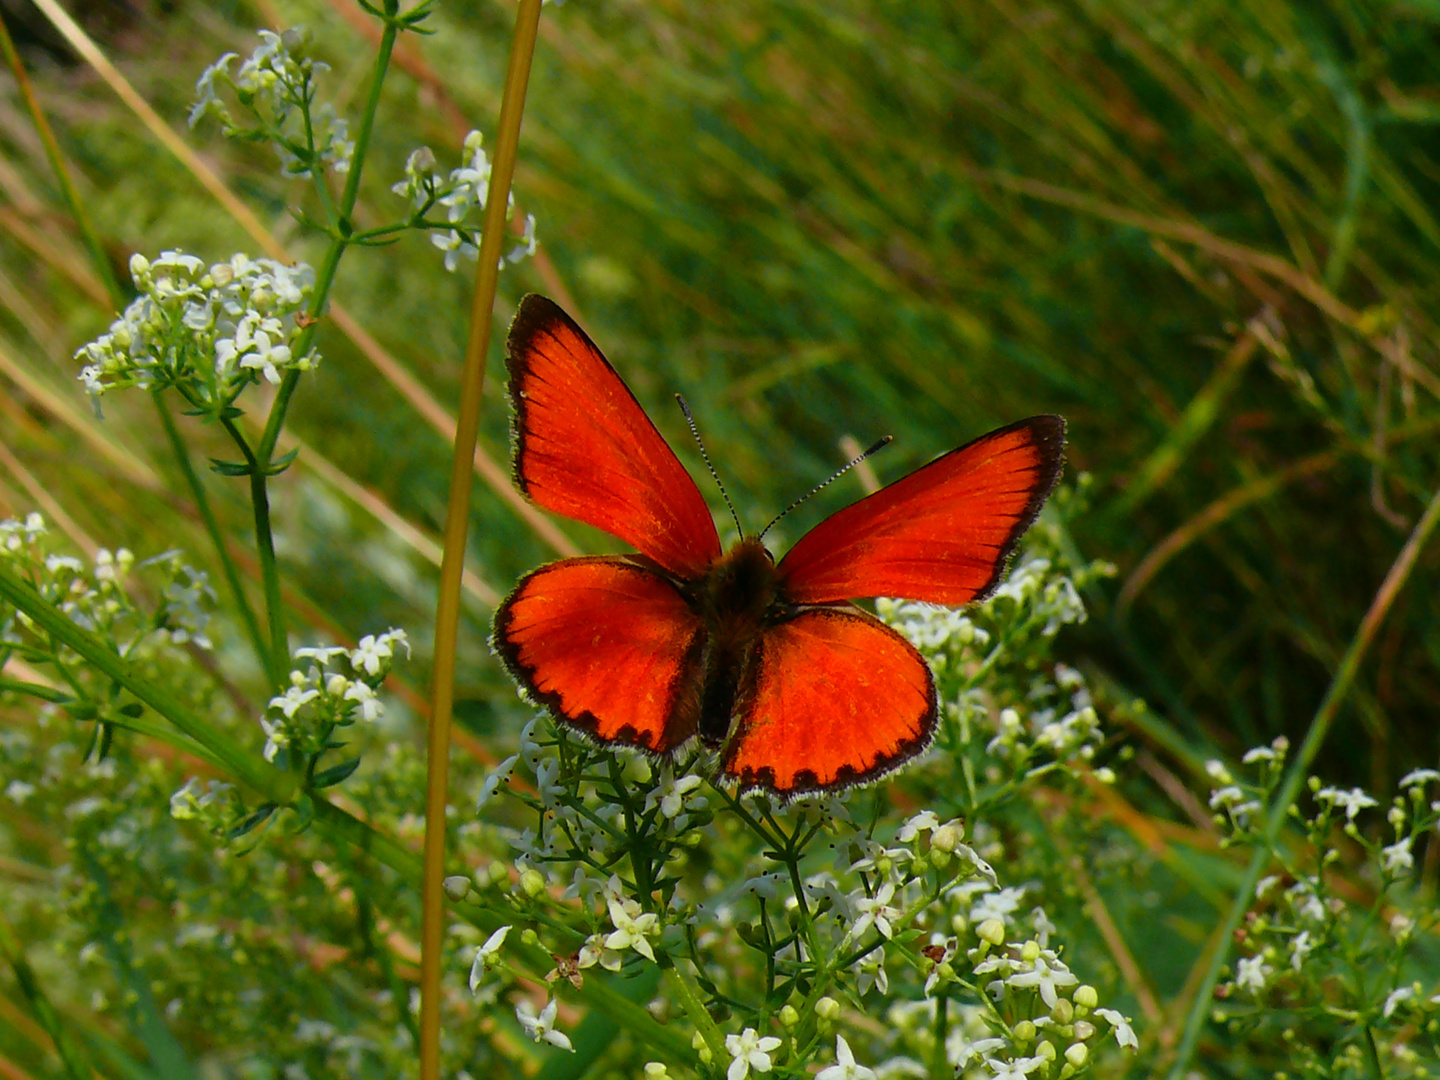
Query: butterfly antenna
[880,444]
[684,408]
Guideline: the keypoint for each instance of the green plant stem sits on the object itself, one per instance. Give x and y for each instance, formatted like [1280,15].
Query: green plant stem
[457,522]
[75,1065]
[696,1011]
[1295,776]
[217,538]
[261,459]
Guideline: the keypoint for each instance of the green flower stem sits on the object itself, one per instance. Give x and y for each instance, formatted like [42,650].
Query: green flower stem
[324,280]
[242,765]
[696,1011]
[217,538]
[75,1065]
[1295,776]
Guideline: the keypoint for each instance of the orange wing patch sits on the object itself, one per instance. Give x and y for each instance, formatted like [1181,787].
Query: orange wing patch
[835,698]
[611,648]
[941,534]
[584,447]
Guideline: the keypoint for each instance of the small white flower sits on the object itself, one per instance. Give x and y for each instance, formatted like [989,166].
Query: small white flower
[671,793]
[492,782]
[1124,1033]
[1265,884]
[1300,947]
[1011,1070]
[542,1026]
[876,911]
[845,1067]
[370,655]
[322,655]
[1352,801]
[1259,753]
[924,821]
[871,972]
[998,905]
[631,927]
[1396,858]
[291,701]
[961,1050]
[1251,973]
[1045,978]
[749,1051]
[1405,993]
[1043,926]
[1419,776]
[370,706]
[486,957]
[595,951]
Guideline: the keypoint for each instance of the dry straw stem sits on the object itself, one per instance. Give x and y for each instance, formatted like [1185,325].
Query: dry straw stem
[409,388]
[457,521]
[1295,778]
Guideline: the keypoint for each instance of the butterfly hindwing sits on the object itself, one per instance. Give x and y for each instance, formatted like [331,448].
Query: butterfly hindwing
[584,447]
[941,534]
[833,698]
[609,646]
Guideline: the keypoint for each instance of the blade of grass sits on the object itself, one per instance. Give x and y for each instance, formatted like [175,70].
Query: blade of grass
[1199,416]
[457,523]
[1295,776]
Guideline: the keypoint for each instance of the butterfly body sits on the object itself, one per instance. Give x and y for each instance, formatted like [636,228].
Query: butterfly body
[767,662]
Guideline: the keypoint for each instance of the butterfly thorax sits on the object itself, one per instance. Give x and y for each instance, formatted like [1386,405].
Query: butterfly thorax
[738,596]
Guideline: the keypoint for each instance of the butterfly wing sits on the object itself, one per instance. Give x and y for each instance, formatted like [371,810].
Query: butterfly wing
[609,646]
[941,534]
[584,447]
[835,698]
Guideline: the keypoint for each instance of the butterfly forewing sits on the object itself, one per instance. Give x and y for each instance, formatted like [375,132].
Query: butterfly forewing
[611,648]
[584,447]
[835,697]
[941,534]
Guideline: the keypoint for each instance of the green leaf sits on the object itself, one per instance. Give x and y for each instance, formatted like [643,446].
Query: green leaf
[251,821]
[335,774]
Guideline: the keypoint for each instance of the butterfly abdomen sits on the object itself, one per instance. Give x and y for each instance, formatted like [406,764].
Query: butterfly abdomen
[734,598]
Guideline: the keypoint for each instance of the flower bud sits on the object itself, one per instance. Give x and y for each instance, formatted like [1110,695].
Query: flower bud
[1077,1054]
[497,873]
[1085,997]
[1063,1012]
[827,1008]
[1046,1051]
[1024,1031]
[532,882]
[1084,1029]
[991,930]
[655,1070]
[529,937]
[456,887]
[947,836]
[789,1017]
[1030,951]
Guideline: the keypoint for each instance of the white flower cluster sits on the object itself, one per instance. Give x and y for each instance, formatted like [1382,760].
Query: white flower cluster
[320,699]
[1051,599]
[94,597]
[207,331]
[277,86]
[463,195]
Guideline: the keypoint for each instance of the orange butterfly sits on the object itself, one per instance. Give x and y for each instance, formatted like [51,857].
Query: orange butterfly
[801,690]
